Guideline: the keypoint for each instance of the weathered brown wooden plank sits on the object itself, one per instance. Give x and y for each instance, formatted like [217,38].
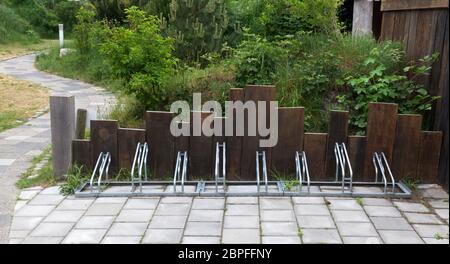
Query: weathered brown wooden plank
[104,139]
[290,139]
[80,127]
[127,142]
[387,25]
[200,151]
[234,142]
[250,144]
[430,149]
[337,133]
[161,142]
[391,5]
[81,154]
[219,138]
[406,146]
[315,147]
[381,125]
[182,142]
[356,146]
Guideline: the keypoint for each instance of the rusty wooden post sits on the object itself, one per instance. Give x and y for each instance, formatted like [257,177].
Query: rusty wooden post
[80,128]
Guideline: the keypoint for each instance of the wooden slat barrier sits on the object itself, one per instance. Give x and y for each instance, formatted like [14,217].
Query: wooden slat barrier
[337,133]
[127,142]
[392,5]
[234,142]
[182,142]
[104,139]
[381,126]
[356,146]
[428,162]
[200,152]
[162,144]
[406,146]
[290,139]
[412,153]
[250,144]
[315,146]
[81,154]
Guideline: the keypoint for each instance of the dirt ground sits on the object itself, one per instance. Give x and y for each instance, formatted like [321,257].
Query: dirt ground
[19,100]
[12,50]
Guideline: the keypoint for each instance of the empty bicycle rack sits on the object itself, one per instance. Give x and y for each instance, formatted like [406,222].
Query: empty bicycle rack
[384,184]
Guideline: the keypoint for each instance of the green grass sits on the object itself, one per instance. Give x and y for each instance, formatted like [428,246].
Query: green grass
[412,183]
[75,177]
[9,120]
[359,201]
[45,174]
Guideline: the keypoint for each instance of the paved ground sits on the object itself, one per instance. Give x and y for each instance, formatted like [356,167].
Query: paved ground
[19,145]
[44,216]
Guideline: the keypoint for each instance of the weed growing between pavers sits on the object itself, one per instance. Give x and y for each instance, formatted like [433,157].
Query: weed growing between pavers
[38,177]
[75,177]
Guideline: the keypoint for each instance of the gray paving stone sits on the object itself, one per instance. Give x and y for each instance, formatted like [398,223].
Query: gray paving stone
[84,236]
[362,240]
[435,193]
[135,216]
[416,218]
[142,203]
[162,236]
[177,200]
[242,200]
[173,209]
[436,241]
[200,240]
[54,190]
[15,241]
[431,230]
[104,209]
[127,229]
[64,216]
[25,223]
[321,236]
[203,229]
[308,200]
[344,205]
[440,203]
[206,215]
[400,237]
[42,199]
[77,204]
[241,236]
[279,229]
[169,221]
[277,216]
[281,240]
[52,229]
[311,209]
[388,211]
[19,233]
[315,221]
[28,195]
[111,200]
[411,207]
[356,229]
[19,205]
[350,216]
[234,222]
[95,222]
[376,201]
[208,203]
[275,203]
[442,213]
[121,240]
[240,209]
[35,210]
[391,223]
[42,240]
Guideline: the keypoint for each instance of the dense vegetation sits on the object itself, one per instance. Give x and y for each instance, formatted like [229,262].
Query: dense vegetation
[152,53]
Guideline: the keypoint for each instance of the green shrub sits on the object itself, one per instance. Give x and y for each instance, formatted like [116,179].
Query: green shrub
[140,56]
[15,28]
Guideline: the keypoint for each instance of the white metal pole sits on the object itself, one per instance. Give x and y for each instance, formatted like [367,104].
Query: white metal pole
[61,36]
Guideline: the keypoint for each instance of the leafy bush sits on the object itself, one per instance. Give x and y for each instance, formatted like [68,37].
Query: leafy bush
[140,56]
[15,28]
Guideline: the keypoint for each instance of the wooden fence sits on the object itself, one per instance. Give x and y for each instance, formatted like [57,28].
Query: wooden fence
[411,152]
[423,27]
